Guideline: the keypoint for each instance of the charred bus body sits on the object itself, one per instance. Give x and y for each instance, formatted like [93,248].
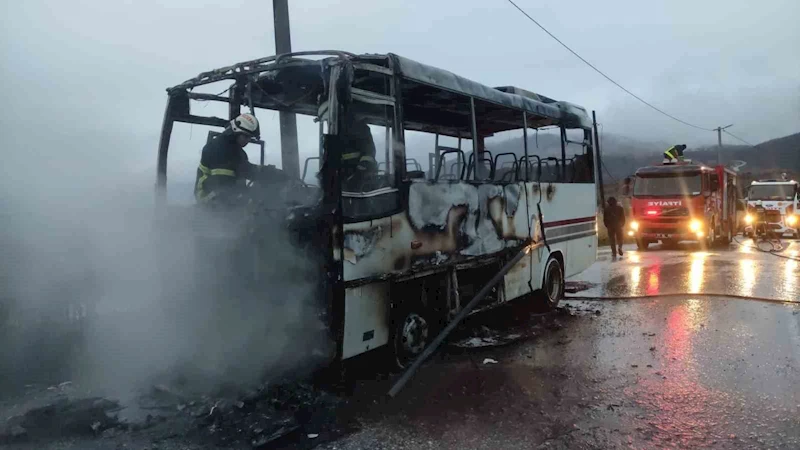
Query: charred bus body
[400,250]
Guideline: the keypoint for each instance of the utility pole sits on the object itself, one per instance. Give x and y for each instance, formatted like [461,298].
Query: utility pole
[719,142]
[290,157]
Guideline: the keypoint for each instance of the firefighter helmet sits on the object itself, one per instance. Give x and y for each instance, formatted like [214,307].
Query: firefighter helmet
[246,124]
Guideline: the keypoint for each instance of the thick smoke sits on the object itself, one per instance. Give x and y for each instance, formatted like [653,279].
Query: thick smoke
[102,288]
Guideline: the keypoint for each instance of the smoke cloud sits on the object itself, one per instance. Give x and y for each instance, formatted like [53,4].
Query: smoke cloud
[102,288]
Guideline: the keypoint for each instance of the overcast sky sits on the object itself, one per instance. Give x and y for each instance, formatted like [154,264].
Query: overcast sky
[86,79]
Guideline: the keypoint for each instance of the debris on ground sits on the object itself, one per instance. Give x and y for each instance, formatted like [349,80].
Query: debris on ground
[64,417]
[487,341]
[489,361]
[271,414]
[572,287]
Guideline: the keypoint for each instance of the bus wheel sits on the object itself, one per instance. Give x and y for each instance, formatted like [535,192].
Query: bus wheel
[411,333]
[552,290]
[642,245]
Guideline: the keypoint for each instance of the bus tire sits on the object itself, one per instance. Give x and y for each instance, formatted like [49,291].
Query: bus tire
[553,284]
[642,245]
[412,331]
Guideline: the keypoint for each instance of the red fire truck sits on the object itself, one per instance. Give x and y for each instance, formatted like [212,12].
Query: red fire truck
[682,201]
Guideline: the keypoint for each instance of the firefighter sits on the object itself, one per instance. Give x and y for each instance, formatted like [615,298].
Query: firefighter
[614,220]
[674,153]
[224,166]
[358,154]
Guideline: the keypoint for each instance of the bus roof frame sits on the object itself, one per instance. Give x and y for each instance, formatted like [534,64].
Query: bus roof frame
[444,103]
[537,106]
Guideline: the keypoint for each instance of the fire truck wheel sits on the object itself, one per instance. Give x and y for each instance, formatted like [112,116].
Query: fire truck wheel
[412,331]
[642,245]
[710,238]
[552,290]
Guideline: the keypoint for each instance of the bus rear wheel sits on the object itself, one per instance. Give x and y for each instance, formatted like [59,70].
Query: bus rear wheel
[412,330]
[553,283]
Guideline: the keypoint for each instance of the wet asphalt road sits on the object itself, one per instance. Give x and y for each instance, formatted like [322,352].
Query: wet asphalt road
[678,372]
[737,270]
[681,372]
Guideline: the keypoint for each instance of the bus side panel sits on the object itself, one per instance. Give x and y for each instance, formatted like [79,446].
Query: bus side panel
[524,278]
[443,222]
[570,224]
[521,278]
[582,254]
[366,318]
[570,218]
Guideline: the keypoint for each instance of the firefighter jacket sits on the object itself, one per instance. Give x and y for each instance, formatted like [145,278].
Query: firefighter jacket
[359,150]
[222,171]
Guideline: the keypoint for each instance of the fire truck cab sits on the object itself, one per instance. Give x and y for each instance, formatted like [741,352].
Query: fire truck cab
[683,201]
[779,200]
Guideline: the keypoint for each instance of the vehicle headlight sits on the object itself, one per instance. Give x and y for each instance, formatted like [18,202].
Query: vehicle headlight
[695,225]
[748,219]
[634,225]
[791,221]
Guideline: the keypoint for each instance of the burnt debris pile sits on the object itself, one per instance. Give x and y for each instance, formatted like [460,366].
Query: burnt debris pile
[296,415]
[64,417]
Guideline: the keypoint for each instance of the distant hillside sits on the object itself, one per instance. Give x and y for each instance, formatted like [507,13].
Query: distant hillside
[776,155]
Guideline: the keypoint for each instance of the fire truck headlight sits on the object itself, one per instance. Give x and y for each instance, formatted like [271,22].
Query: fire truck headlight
[630,233]
[695,225]
[791,221]
[748,219]
[635,226]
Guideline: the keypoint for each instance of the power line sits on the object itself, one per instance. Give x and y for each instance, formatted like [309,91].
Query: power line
[738,138]
[603,74]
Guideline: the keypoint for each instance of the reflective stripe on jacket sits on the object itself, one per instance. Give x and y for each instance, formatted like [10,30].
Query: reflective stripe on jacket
[223,166]
[201,194]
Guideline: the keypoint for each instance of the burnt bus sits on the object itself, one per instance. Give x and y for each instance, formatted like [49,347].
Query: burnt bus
[402,250]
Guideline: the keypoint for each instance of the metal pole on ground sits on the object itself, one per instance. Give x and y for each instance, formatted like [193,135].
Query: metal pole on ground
[458,318]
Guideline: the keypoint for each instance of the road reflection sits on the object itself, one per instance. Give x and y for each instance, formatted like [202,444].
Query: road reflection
[740,271]
[636,278]
[675,394]
[696,272]
[653,279]
[792,273]
[747,273]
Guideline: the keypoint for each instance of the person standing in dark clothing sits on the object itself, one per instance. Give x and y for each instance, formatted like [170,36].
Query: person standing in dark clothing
[614,220]
[224,167]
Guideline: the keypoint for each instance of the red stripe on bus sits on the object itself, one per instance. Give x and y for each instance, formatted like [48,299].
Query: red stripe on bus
[559,223]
